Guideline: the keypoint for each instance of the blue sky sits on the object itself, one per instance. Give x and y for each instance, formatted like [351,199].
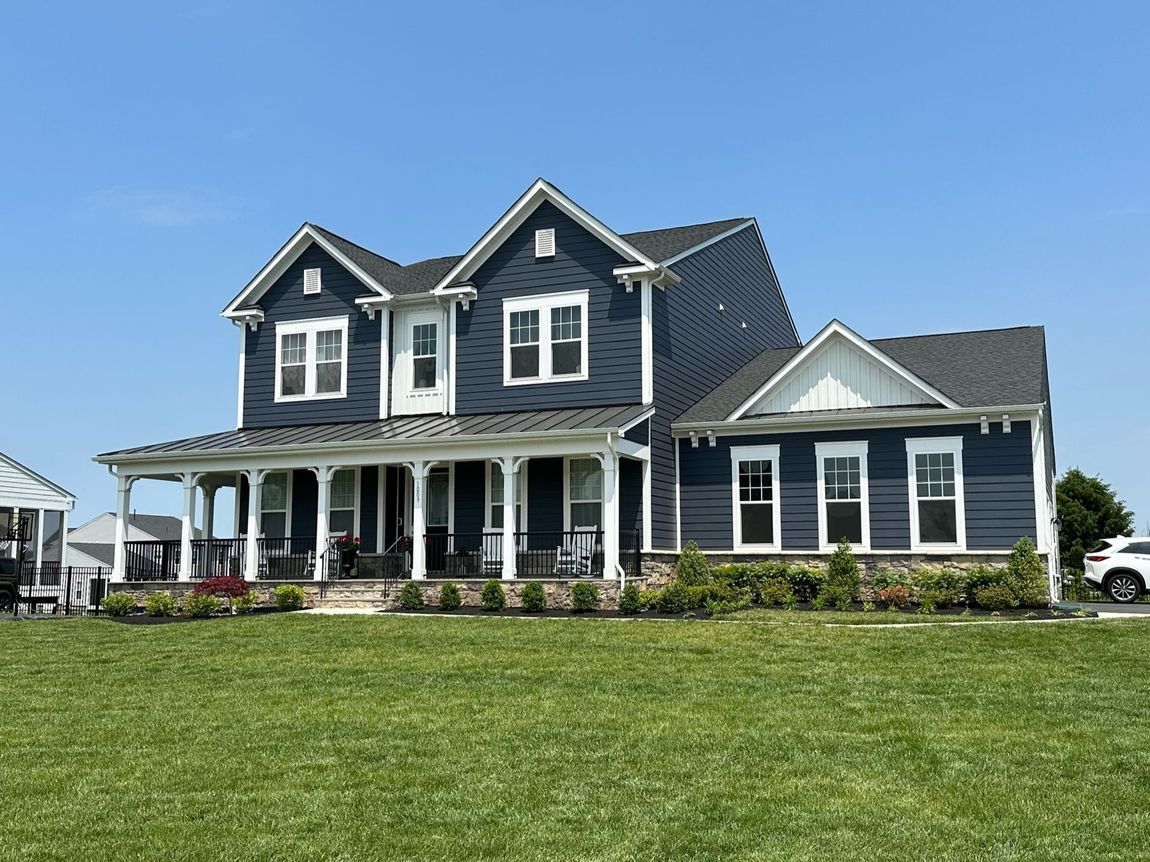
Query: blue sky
[915,168]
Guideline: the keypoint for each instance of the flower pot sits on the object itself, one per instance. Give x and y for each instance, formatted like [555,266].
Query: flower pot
[347,560]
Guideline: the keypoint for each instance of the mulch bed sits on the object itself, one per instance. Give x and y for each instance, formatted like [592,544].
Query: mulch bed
[145,620]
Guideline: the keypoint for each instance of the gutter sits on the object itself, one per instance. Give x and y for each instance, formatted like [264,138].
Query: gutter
[740,426]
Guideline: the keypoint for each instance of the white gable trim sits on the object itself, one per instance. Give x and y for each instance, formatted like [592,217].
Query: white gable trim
[838,329]
[702,245]
[528,202]
[9,497]
[285,257]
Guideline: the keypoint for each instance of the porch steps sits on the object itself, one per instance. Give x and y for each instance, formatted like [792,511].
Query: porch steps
[357,594]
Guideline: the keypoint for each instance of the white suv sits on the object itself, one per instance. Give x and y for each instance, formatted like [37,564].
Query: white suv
[1119,567]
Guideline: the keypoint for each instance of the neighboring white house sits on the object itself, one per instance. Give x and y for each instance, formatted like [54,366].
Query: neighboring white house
[36,509]
[93,543]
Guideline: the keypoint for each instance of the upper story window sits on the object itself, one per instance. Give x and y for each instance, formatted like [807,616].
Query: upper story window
[755,487]
[545,338]
[311,360]
[424,355]
[934,467]
[844,505]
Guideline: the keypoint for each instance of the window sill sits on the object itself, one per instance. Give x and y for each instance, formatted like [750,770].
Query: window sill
[290,399]
[536,381]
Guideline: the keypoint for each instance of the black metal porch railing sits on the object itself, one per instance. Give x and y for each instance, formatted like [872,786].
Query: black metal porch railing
[631,553]
[463,555]
[218,558]
[562,554]
[291,558]
[152,560]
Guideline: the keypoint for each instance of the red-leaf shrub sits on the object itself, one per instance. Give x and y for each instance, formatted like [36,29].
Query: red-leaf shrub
[894,596]
[225,588]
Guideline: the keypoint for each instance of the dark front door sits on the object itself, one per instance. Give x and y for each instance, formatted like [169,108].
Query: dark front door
[438,517]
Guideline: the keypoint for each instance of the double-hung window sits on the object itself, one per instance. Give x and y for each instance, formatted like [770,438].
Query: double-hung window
[341,507]
[274,506]
[843,494]
[755,492]
[545,338]
[584,494]
[311,359]
[424,355]
[495,496]
[934,469]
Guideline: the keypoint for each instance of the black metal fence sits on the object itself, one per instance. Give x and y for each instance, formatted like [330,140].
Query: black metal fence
[218,558]
[63,590]
[152,560]
[291,558]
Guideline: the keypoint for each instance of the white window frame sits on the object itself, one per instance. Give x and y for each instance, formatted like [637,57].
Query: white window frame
[544,304]
[312,281]
[545,242]
[287,503]
[437,386]
[930,446]
[567,525]
[755,453]
[355,509]
[489,490]
[846,449]
[310,328]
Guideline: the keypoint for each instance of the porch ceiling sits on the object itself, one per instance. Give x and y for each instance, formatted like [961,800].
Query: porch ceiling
[398,429]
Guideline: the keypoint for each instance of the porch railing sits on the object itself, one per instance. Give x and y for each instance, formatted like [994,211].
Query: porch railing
[464,555]
[291,558]
[152,560]
[217,558]
[563,554]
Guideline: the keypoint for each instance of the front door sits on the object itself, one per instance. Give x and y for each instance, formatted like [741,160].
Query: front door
[438,514]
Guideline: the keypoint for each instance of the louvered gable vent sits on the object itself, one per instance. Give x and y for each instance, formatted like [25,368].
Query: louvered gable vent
[545,242]
[311,281]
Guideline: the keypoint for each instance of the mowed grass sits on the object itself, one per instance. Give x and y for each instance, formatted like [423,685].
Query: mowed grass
[302,737]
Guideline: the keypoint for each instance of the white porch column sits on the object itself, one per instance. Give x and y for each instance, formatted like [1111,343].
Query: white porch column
[252,551]
[323,503]
[419,471]
[510,468]
[123,508]
[64,538]
[188,525]
[646,546]
[209,489]
[39,539]
[610,515]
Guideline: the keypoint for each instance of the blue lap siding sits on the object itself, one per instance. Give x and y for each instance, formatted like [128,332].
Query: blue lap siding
[998,481]
[285,301]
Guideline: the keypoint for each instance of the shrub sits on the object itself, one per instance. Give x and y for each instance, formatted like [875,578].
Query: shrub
[1026,575]
[843,580]
[692,570]
[805,581]
[201,605]
[630,600]
[118,604]
[740,600]
[224,588]
[995,597]
[449,597]
[160,605]
[885,578]
[246,603]
[982,576]
[942,587]
[894,596]
[411,597]
[493,598]
[584,597]
[673,599]
[289,597]
[776,591]
[534,599]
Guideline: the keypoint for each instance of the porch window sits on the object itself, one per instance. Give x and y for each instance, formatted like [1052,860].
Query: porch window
[438,497]
[495,497]
[843,498]
[585,493]
[545,338]
[935,470]
[424,355]
[311,361]
[274,506]
[341,511]
[755,490]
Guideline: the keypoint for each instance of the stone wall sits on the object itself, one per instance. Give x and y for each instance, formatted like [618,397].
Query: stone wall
[142,589]
[558,592]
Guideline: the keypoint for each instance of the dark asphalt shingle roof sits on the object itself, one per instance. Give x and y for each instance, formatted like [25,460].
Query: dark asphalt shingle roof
[377,266]
[401,428]
[98,551]
[661,245]
[985,368]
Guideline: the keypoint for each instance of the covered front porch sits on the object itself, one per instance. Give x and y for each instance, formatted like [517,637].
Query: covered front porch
[549,506]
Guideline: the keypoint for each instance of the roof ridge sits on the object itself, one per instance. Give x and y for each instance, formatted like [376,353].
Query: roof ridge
[957,332]
[356,244]
[684,226]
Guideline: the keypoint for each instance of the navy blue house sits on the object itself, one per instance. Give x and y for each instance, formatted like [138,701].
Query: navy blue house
[564,400]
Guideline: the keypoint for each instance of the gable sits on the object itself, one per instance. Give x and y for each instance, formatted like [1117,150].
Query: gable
[26,489]
[840,375]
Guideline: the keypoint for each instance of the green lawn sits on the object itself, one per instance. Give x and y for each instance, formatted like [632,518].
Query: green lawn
[297,737]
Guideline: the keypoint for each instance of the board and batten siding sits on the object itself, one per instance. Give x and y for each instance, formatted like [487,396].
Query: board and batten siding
[581,262]
[697,346]
[285,301]
[998,481]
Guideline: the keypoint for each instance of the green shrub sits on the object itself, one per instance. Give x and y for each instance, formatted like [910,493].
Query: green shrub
[1026,575]
[630,600]
[805,581]
[411,597]
[584,598]
[534,599]
[885,578]
[819,602]
[289,597]
[843,579]
[942,587]
[246,603]
[118,604]
[160,605]
[740,599]
[201,605]
[449,597]
[894,596]
[649,599]
[673,599]
[995,597]
[493,598]
[692,569]
[982,576]
[776,591]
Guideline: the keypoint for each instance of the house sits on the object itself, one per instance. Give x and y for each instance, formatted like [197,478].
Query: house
[93,543]
[563,399]
[33,520]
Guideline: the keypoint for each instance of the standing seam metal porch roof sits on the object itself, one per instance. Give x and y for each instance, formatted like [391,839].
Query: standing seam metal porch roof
[397,428]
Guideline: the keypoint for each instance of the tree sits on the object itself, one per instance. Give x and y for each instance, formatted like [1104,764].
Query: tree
[1089,512]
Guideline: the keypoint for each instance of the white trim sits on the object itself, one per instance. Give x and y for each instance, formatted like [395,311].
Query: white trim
[520,478]
[384,360]
[633,449]
[642,417]
[243,369]
[702,245]
[778,284]
[647,340]
[285,257]
[67,500]
[289,488]
[926,446]
[537,193]
[357,508]
[314,275]
[545,242]
[1043,506]
[381,502]
[844,449]
[406,400]
[678,499]
[309,328]
[545,303]
[449,382]
[598,459]
[756,453]
[839,329]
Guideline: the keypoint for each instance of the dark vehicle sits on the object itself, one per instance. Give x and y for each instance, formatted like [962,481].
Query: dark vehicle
[8,583]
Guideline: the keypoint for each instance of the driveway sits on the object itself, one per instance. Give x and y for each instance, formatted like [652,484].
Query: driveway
[1116,608]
